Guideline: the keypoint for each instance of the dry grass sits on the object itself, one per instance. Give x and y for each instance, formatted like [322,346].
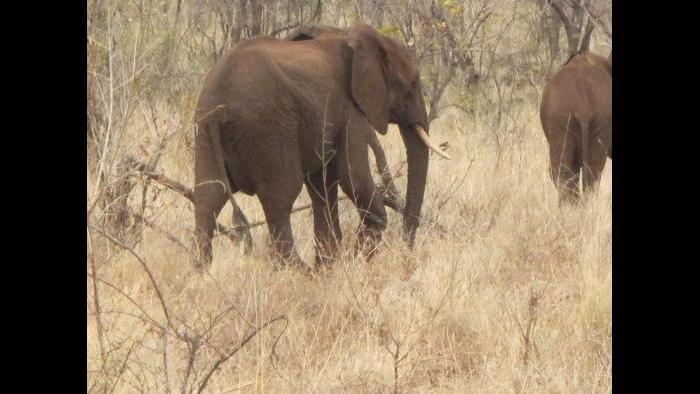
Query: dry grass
[507,293]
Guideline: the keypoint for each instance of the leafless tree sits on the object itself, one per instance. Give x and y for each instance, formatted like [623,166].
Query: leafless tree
[578,18]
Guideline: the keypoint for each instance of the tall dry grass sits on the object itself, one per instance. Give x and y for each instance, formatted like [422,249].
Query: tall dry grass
[504,292]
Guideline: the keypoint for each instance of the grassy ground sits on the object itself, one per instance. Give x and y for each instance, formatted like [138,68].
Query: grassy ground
[504,292]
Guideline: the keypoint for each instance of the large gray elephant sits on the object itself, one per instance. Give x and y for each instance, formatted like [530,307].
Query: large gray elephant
[276,114]
[576,116]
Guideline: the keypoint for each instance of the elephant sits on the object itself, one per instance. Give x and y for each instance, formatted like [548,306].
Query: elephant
[274,115]
[576,116]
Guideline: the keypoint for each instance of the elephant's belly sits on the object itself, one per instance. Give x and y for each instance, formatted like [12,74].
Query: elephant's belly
[265,158]
[276,149]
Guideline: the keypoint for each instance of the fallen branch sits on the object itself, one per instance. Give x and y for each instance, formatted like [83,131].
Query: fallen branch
[391,196]
[166,234]
[236,234]
[394,202]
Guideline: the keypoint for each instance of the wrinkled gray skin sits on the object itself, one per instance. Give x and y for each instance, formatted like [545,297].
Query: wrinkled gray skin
[576,116]
[274,115]
[311,31]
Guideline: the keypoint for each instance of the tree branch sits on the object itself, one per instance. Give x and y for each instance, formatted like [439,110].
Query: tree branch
[225,357]
[143,265]
[562,15]
[599,23]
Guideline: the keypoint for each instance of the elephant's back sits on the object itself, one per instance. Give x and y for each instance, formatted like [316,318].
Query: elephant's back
[270,72]
[265,95]
[577,87]
[579,90]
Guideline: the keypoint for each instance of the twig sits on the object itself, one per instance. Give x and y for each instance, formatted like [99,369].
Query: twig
[224,358]
[186,192]
[166,234]
[123,367]
[147,317]
[459,185]
[165,363]
[391,196]
[143,265]
[193,347]
[597,20]
[98,309]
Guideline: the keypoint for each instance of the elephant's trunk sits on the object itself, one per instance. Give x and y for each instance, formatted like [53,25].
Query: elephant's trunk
[417,157]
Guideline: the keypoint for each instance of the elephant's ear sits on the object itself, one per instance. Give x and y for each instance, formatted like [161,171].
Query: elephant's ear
[368,81]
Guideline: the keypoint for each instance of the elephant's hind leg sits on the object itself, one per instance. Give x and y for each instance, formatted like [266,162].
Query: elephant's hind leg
[565,166]
[323,191]
[594,168]
[209,199]
[277,201]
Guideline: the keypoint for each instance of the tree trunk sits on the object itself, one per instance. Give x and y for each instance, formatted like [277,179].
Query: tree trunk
[239,21]
[550,27]
[378,17]
[255,21]
[318,12]
[576,23]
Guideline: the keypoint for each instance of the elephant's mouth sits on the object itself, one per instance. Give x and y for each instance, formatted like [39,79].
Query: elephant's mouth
[423,135]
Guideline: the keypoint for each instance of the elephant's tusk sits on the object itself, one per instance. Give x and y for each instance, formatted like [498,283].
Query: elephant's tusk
[424,137]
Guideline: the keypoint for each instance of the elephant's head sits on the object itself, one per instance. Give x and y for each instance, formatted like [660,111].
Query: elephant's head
[385,85]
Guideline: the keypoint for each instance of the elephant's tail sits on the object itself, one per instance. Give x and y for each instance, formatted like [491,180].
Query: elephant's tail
[585,138]
[238,216]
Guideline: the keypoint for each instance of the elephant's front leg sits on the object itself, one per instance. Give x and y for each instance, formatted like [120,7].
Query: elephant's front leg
[357,183]
[323,190]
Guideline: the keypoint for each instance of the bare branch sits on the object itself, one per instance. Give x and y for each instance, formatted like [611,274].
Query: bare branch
[224,358]
[562,15]
[96,301]
[145,170]
[166,234]
[148,317]
[598,22]
[143,265]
